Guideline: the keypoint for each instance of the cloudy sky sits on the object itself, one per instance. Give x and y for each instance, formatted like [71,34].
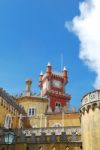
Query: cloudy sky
[35,32]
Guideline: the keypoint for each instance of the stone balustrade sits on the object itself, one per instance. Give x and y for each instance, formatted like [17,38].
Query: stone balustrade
[44,135]
[49,131]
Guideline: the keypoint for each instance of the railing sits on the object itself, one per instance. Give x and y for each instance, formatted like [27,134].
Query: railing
[49,131]
[45,135]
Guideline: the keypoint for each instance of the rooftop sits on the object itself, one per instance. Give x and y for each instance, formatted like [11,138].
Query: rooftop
[10,99]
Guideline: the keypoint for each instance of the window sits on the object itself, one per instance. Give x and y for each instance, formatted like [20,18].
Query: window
[31,111]
[58,104]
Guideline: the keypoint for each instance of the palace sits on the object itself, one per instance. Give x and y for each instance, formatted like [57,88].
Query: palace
[44,121]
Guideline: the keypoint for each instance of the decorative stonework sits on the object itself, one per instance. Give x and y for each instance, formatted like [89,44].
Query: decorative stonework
[90,100]
[49,131]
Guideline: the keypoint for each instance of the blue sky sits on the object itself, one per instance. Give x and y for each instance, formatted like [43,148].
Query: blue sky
[31,34]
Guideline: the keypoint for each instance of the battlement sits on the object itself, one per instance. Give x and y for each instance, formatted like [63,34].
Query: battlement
[90,100]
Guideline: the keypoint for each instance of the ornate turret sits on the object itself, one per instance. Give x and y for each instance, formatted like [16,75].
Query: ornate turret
[65,75]
[49,70]
[52,85]
[40,79]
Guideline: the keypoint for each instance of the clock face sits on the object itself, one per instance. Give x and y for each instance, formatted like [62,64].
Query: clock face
[57,83]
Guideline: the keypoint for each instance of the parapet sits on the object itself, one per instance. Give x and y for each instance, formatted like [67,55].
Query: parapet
[90,101]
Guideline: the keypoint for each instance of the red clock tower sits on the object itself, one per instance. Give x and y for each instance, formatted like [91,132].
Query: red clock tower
[52,86]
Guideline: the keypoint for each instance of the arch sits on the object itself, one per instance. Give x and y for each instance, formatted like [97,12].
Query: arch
[94,105]
[57,124]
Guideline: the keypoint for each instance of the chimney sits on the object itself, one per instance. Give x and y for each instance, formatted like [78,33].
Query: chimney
[28,87]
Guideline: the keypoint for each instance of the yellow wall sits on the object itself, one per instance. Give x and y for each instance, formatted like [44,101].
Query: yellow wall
[39,120]
[42,120]
[44,146]
[5,109]
[69,119]
[90,124]
[90,120]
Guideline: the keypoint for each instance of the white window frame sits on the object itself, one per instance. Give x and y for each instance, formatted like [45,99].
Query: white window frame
[30,113]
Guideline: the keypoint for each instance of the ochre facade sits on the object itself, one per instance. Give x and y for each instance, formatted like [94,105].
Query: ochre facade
[64,120]
[40,104]
[7,108]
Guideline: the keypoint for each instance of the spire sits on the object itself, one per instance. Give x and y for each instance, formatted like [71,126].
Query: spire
[41,74]
[64,69]
[49,69]
[48,64]
[65,74]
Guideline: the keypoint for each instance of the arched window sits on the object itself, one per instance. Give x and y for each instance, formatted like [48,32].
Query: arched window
[8,121]
[57,124]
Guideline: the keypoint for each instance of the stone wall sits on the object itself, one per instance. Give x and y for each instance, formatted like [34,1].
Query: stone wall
[90,121]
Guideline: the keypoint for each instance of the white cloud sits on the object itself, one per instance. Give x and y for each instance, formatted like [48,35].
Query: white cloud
[87,28]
